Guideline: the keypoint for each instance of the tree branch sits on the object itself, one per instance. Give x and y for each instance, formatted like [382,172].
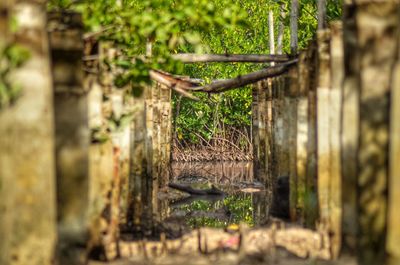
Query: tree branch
[208,58]
[176,84]
[240,81]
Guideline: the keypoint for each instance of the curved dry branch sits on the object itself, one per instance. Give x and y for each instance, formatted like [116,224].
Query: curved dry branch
[243,80]
[176,84]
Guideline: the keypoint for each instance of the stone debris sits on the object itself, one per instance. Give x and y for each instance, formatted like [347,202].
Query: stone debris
[304,243]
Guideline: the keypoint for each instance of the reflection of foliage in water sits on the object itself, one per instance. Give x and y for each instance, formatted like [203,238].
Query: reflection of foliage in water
[233,209]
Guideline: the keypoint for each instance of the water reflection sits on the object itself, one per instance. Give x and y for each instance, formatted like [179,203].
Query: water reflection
[244,201]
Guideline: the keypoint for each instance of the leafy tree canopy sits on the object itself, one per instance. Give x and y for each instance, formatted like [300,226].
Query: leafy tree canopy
[216,26]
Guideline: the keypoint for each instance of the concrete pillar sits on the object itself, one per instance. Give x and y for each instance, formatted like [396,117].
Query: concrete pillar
[27,173]
[72,136]
[301,138]
[310,198]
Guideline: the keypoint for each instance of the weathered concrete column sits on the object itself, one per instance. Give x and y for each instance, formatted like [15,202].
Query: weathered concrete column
[148,183]
[72,136]
[254,128]
[165,146]
[260,137]
[371,35]
[165,135]
[276,123]
[284,92]
[101,171]
[335,200]
[349,128]
[299,187]
[269,129]
[329,82]
[138,161]
[323,80]
[377,44]
[291,103]
[393,228]
[113,123]
[125,157]
[310,198]
[27,174]
[155,173]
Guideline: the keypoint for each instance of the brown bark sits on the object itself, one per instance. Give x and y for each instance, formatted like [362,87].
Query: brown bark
[241,81]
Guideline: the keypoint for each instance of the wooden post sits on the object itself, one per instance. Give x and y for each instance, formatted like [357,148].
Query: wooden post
[271,32]
[27,174]
[279,38]
[294,17]
[72,136]
[321,14]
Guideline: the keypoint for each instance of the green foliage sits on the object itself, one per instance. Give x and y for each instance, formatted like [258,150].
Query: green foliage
[239,207]
[166,24]
[233,108]
[12,56]
[215,26]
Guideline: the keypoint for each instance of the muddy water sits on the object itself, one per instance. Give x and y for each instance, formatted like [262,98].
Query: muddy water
[245,200]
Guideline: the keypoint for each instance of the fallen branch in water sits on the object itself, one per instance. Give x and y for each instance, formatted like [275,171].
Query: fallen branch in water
[192,191]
